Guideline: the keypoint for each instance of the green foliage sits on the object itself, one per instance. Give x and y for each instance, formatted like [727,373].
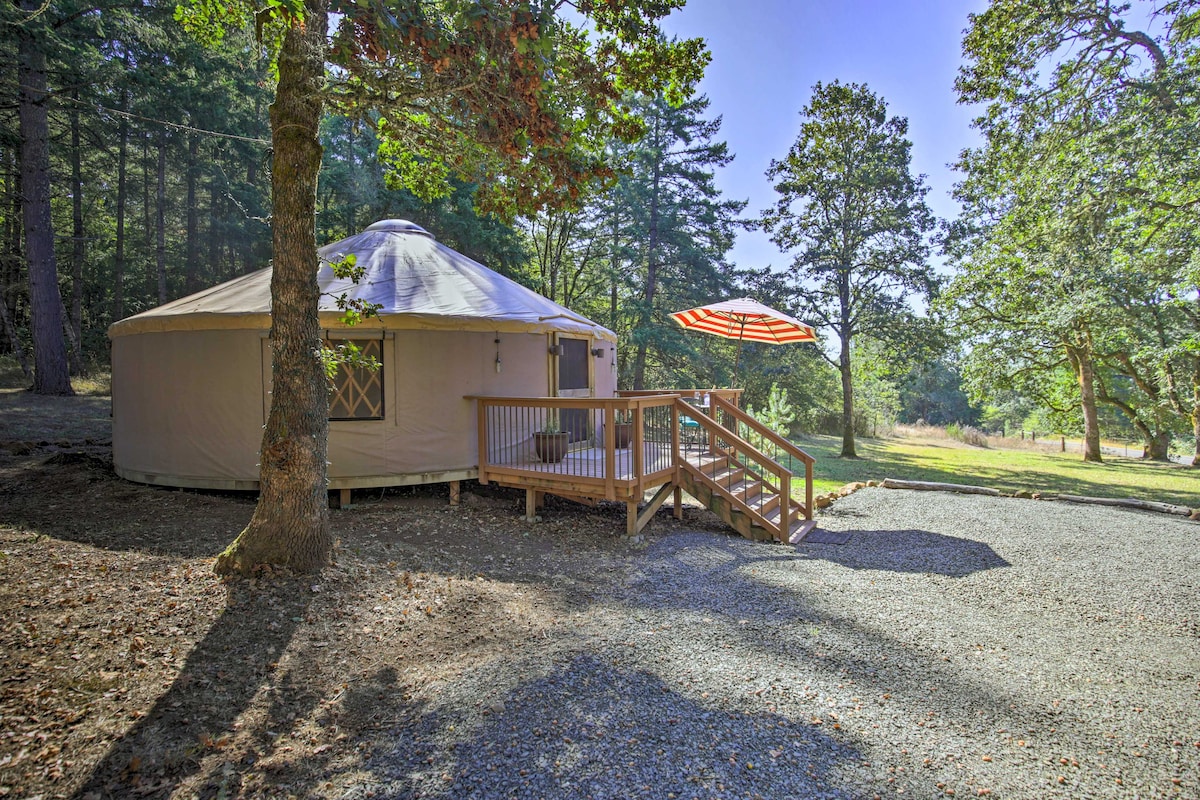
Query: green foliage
[655,241]
[876,394]
[345,355]
[132,83]
[932,392]
[778,415]
[854,217]
[1075,231]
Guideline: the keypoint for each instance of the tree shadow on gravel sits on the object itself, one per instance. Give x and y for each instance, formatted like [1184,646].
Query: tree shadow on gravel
[794,626]
[197,716]
[914,551]
[589,729]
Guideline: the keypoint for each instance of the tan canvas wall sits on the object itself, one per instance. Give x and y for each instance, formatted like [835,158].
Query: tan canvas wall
[188,406]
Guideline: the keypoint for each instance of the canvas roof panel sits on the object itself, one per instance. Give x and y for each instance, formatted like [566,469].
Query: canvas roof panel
[418,282]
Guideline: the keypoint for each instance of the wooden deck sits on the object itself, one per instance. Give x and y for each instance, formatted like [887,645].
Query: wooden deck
[724,457]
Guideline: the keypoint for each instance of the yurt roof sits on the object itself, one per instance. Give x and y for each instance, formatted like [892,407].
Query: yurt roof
[418,283]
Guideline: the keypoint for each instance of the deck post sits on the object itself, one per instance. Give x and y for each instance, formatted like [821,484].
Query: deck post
[531,502]
[482,431]
[678,502]
[639,469]
[455,492]
[631,517]
[785,506]
[610,452]
[344,498]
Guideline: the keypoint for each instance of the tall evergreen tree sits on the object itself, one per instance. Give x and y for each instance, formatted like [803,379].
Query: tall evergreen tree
[855,216]
[684,227]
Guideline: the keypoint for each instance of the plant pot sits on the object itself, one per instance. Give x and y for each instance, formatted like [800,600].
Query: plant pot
[623,434]
[551,447]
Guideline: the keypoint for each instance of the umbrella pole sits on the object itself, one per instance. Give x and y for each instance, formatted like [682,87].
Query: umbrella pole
[738,355]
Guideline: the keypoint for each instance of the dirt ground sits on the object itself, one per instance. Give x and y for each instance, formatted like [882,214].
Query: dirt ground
[127,669]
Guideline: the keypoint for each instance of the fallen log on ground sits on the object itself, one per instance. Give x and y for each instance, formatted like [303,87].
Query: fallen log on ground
[1129,502]
[892,483]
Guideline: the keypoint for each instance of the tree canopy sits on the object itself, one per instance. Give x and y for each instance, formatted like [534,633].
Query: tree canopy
[855,217]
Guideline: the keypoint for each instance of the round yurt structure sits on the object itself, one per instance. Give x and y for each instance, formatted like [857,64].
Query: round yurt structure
[191,380]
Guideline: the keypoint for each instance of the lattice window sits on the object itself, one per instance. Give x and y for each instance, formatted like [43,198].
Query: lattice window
[358,393]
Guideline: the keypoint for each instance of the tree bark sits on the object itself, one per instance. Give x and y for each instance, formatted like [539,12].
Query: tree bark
[1085,373]
[1157,447]
[122,180]
[290,526]
[74,319]
[151,280]
[848,445]
[1196,411]
[50,374]
[846,336]
[11,279]
[191,274]
[160,226]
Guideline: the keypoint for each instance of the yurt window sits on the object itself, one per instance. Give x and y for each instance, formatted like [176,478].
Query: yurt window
[358,392]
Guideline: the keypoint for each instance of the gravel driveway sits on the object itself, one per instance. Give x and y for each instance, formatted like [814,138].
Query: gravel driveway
[955,645]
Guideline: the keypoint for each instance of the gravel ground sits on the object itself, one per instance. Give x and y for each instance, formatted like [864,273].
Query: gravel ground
[955,645]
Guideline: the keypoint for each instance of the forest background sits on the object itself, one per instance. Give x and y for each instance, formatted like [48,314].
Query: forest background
[1066,302]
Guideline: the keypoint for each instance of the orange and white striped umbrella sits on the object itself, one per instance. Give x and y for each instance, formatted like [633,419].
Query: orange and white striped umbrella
[747,320]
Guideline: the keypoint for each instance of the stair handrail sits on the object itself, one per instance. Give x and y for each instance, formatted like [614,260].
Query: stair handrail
[687,409]
[763,430]
[782,474]
[719,403]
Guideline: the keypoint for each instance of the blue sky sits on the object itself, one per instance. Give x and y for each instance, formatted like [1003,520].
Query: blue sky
[767,54]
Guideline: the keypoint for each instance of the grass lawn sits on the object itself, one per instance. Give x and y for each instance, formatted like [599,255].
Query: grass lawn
[949,461]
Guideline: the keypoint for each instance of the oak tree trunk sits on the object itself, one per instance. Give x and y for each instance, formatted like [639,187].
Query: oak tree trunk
[846,335]
[1085,373]
[290,526]
[50,373]
[1157,446]
[1196,412]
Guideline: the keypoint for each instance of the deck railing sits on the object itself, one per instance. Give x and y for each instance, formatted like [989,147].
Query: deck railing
[617,448]
[699,397]
[597,447]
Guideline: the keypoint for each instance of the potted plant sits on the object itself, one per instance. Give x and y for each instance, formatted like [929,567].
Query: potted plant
[623,428]
[551,442]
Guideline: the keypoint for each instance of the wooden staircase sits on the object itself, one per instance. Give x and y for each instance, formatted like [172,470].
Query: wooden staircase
[745,473]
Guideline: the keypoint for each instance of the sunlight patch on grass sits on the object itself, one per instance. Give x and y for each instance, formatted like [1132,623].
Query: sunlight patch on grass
[948,461]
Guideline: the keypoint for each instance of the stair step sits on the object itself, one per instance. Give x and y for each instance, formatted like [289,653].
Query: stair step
[747,491]
[728,477]
[799,529]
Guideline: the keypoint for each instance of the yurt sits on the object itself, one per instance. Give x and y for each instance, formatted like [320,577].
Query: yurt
[191,380]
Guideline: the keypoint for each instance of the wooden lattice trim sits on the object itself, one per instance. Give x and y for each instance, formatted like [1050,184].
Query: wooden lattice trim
[358,393]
